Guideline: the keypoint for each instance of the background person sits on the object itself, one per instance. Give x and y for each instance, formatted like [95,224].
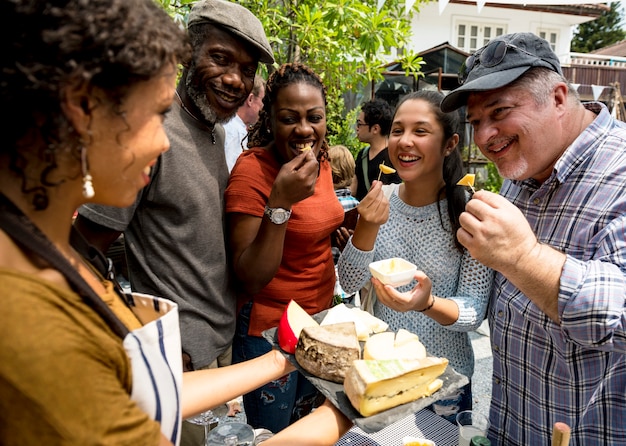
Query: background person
[418,222]
[342,165]
[167,254]
[555,236]
[281,211]
[236,139]
[372,127]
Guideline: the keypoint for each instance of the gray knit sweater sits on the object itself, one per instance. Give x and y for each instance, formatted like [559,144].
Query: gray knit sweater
[416,234]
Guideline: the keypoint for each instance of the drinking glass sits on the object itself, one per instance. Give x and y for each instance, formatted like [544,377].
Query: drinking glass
[471,423]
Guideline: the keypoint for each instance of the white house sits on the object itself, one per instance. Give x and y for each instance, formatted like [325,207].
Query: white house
[468,27]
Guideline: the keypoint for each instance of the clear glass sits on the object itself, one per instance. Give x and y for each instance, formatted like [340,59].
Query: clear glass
[470,424]
[206,419]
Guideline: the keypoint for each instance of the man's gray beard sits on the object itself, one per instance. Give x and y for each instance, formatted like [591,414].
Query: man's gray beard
[199,99]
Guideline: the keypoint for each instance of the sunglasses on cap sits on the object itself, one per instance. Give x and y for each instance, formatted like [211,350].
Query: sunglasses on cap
[489,56]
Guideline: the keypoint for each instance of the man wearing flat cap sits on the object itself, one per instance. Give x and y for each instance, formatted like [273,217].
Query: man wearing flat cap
[556,237]
[174,233]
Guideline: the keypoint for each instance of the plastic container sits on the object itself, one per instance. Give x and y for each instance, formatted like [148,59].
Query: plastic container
[395,271]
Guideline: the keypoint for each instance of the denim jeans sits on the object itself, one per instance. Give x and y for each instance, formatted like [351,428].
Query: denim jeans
[276,405]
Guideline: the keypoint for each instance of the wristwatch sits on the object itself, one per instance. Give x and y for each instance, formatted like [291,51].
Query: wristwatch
[278,216]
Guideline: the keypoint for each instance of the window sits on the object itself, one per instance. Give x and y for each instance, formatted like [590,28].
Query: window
[471,36]
[550,35]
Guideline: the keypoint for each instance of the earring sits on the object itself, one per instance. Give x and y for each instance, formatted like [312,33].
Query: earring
[88,191]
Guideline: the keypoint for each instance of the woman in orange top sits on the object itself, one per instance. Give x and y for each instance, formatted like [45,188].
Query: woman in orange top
[281,210]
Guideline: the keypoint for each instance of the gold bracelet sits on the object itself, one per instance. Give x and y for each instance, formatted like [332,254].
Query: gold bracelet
[428,307]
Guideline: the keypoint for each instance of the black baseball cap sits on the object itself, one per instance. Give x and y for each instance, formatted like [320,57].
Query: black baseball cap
[500,62]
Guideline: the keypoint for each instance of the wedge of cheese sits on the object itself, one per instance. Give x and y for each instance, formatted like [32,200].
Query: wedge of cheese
[374,324]
[467,180]
[373,386]
[341,313]
[328,351]
[389,345]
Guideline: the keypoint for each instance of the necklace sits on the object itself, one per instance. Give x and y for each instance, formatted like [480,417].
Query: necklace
[203,123]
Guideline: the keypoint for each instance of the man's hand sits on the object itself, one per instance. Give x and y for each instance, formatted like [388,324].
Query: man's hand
[495,232]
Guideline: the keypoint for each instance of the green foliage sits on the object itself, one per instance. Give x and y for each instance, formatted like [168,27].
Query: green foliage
[601,32]
[494,180]
[344,41]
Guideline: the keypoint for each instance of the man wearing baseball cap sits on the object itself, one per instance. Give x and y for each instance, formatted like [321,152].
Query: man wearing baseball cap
[556,237]
[174,233]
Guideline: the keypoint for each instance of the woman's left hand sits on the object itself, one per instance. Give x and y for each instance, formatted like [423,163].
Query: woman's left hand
[416,299]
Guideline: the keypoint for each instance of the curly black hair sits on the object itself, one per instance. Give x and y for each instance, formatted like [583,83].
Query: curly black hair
[288,74]
[110,45]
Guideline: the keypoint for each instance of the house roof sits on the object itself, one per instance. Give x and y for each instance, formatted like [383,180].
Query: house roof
[616,49]
[586,10]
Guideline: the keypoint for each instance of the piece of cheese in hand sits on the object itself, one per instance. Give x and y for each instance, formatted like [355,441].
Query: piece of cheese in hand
[389,345]
[386,169]
[328,351]
[467,180]
[373,386]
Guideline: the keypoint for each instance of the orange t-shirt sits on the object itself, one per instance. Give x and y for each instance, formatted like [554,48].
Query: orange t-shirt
[306,273]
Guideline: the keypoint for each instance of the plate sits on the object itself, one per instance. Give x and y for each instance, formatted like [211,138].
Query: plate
[452,381]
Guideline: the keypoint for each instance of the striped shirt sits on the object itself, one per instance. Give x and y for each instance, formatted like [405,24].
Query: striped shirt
[573,373]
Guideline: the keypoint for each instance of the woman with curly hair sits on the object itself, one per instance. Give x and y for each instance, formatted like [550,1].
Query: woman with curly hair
[87,84]
[281,209]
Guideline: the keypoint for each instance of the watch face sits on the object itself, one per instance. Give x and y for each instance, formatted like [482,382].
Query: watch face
[279,216]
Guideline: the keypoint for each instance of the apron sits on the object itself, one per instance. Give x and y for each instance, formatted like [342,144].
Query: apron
[156,362]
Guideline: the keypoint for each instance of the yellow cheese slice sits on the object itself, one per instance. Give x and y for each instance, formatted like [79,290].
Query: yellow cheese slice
[467,180]
[386,169]
[373,386]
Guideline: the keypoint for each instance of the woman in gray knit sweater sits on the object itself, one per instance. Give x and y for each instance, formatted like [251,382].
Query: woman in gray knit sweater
[417,221]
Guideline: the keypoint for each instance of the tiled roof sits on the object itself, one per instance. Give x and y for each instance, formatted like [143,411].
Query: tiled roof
[585,10]
[617,49]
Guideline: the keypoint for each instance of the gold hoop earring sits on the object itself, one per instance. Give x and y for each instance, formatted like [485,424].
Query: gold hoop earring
[88,190]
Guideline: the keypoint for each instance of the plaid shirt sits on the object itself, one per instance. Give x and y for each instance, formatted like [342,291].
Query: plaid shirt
[346,199]
[576,372]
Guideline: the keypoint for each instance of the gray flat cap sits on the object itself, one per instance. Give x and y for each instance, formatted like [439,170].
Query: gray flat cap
[500,62]
[236,19]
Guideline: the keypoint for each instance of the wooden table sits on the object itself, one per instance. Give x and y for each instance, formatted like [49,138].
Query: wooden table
[423,424]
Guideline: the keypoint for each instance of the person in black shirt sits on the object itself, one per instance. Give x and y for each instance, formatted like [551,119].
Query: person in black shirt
[372,127]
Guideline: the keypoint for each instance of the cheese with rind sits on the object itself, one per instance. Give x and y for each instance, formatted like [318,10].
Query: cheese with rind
[328,351]
[374,386]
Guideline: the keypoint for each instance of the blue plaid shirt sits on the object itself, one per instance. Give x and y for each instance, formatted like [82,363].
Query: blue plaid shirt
[573,373]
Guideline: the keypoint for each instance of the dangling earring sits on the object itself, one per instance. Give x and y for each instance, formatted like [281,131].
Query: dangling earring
[88,191]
